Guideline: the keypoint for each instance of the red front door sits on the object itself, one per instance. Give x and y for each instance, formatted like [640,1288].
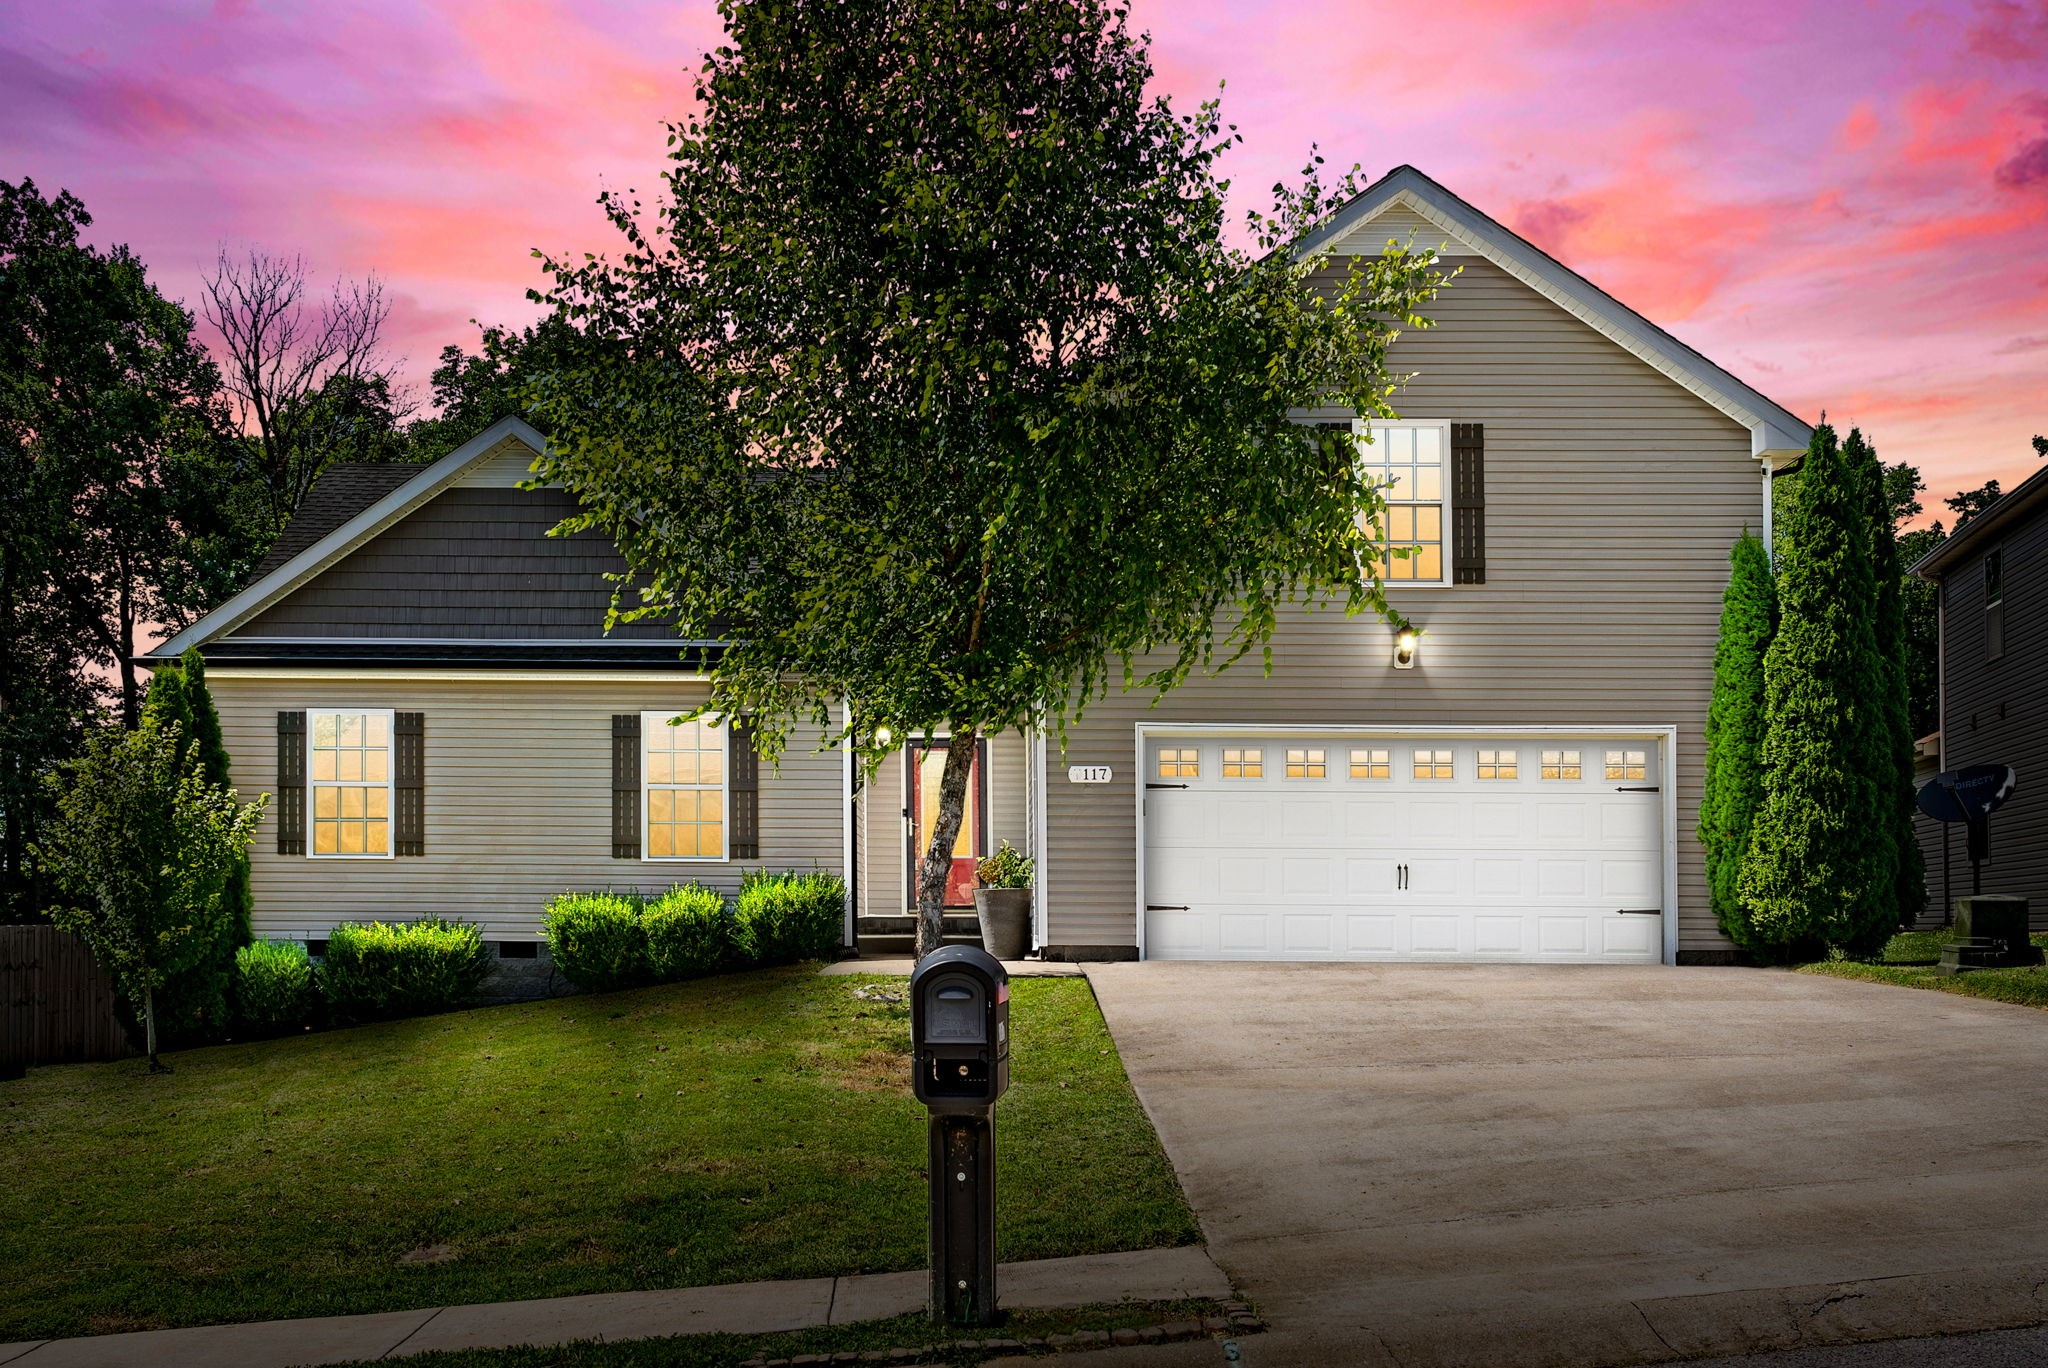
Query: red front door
[927,765]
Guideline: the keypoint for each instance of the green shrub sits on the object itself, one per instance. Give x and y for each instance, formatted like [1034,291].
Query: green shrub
[381,969]
[786,917]
[599,940]
[274,990]
[1009,867]
[689,933]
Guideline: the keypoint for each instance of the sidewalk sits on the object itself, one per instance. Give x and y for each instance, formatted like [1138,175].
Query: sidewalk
[734,1309]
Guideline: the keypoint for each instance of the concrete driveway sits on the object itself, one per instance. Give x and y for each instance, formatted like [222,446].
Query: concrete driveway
[1507,1165]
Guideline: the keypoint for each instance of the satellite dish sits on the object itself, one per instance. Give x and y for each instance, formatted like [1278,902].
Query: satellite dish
[1967,795]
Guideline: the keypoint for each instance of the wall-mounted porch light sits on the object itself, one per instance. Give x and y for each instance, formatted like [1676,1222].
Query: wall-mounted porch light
[1406,642]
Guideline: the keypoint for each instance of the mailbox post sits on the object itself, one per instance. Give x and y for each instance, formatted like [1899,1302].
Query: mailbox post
[960,1052]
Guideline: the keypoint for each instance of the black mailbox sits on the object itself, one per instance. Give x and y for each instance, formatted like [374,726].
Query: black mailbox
[960,1029]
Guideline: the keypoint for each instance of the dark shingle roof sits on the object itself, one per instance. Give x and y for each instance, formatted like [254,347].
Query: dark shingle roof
[342,491]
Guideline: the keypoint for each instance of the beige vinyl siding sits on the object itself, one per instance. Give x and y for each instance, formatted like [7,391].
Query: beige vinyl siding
[884,832]
[518,800]
[1404,226]
[1612,496]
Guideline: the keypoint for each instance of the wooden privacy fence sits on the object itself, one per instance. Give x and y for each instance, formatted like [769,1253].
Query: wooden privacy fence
[56,1004]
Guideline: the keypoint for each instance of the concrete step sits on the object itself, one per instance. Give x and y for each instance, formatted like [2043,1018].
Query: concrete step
[900,947]
[905,924]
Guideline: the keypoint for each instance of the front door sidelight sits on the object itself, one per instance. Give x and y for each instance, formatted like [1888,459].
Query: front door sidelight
[927,764]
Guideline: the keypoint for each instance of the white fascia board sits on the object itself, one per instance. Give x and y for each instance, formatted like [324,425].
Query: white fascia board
[1775,431]
[362,527]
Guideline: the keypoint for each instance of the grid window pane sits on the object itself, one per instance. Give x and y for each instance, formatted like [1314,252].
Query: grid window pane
[1498,764]
[683,764]
[1627,764]
[1241,762]
[1434,764]
[1407,463]
[1371,764]
[1560,764]
[1180,762]
[351,791]
[1307,764]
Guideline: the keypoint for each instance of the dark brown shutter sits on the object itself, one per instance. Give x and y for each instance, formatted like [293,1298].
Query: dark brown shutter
[743,791]
[625,786]
[409,775]
[291,783]
[1468,503]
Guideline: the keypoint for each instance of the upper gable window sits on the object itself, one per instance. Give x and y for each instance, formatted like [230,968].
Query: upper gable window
[1407,461]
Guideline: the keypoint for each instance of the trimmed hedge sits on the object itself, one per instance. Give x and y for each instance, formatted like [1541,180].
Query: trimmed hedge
[689,933]
[274,988]
[377,970]
[598,940]
[606,941]
[786,917]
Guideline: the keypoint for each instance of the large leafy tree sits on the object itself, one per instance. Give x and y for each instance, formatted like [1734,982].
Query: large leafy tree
[109,516]
[145,846]
[934,385]
[1820,866]
[1735,730]
[474,390]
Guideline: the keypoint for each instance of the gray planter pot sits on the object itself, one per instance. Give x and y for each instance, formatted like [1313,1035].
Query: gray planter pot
[1005,921]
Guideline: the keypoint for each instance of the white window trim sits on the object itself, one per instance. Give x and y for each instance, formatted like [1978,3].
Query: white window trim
[313,786]
[1360,428]
[660,719]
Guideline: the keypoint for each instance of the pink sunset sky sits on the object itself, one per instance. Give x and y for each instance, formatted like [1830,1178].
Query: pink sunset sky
[1844,203]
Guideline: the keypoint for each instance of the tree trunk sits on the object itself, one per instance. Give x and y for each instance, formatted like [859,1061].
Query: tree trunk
[937,863]
[149,1031]
[124,650]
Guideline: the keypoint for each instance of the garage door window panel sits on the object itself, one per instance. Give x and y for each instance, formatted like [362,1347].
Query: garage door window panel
[1372,764]
[1435,764]
[1309,763]
[1627,764]
[1244,762]
[1179,762]
[1498,764]
[1560,764]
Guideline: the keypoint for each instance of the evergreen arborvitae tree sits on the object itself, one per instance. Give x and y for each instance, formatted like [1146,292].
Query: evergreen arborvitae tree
[195,1002]
[1735,730]
[1819,871]
[1892,738]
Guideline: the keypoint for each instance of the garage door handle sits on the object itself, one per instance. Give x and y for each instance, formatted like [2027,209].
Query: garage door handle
[1167,907]
[1651,789]
[1181,786]
[1640,911]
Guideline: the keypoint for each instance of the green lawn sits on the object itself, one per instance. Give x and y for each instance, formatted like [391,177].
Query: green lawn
[1909,961]
[728,1351]
[754,1126]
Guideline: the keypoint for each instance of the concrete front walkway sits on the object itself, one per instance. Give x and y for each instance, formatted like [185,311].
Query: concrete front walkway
[735,1309]
[1509,1165]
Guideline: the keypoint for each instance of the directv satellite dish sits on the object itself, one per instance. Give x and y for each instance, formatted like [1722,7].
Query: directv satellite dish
[1968,795]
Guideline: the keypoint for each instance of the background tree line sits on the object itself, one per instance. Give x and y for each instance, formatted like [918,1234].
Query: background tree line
[147,472]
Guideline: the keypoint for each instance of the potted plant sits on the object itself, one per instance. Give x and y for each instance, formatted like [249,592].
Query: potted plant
[1003,903]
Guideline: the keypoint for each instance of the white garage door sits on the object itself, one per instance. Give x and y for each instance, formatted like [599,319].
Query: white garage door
[1403,848]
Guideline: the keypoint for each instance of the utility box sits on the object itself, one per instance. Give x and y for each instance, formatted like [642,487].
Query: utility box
[960,1030]
[1990,933]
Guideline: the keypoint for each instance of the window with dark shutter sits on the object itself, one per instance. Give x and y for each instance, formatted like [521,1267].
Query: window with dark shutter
[1468,503]
[625,786]
[409,783]
[1994,604]
[291,783]
[743,791]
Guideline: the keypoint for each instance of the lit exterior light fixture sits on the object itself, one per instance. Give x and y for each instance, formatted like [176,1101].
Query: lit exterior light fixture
[883,736]
[1406,641]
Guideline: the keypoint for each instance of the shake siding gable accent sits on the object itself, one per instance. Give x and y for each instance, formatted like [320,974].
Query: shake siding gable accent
[289,811]
[1468,503]
[1612,496]
[626,786]
[409,783]
[520,806]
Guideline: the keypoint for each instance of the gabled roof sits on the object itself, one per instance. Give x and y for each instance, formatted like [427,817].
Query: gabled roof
[1774,430]
[298,566]
[341,492]
[2030,497]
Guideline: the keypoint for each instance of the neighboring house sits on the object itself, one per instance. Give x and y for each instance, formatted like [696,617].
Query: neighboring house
[422,679]
[1994,689]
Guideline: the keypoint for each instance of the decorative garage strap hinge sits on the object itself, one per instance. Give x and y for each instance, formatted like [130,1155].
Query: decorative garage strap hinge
[291,783]
[1468,503]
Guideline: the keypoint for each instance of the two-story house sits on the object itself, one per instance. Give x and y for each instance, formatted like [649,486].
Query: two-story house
[1993,677]
[420,677]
